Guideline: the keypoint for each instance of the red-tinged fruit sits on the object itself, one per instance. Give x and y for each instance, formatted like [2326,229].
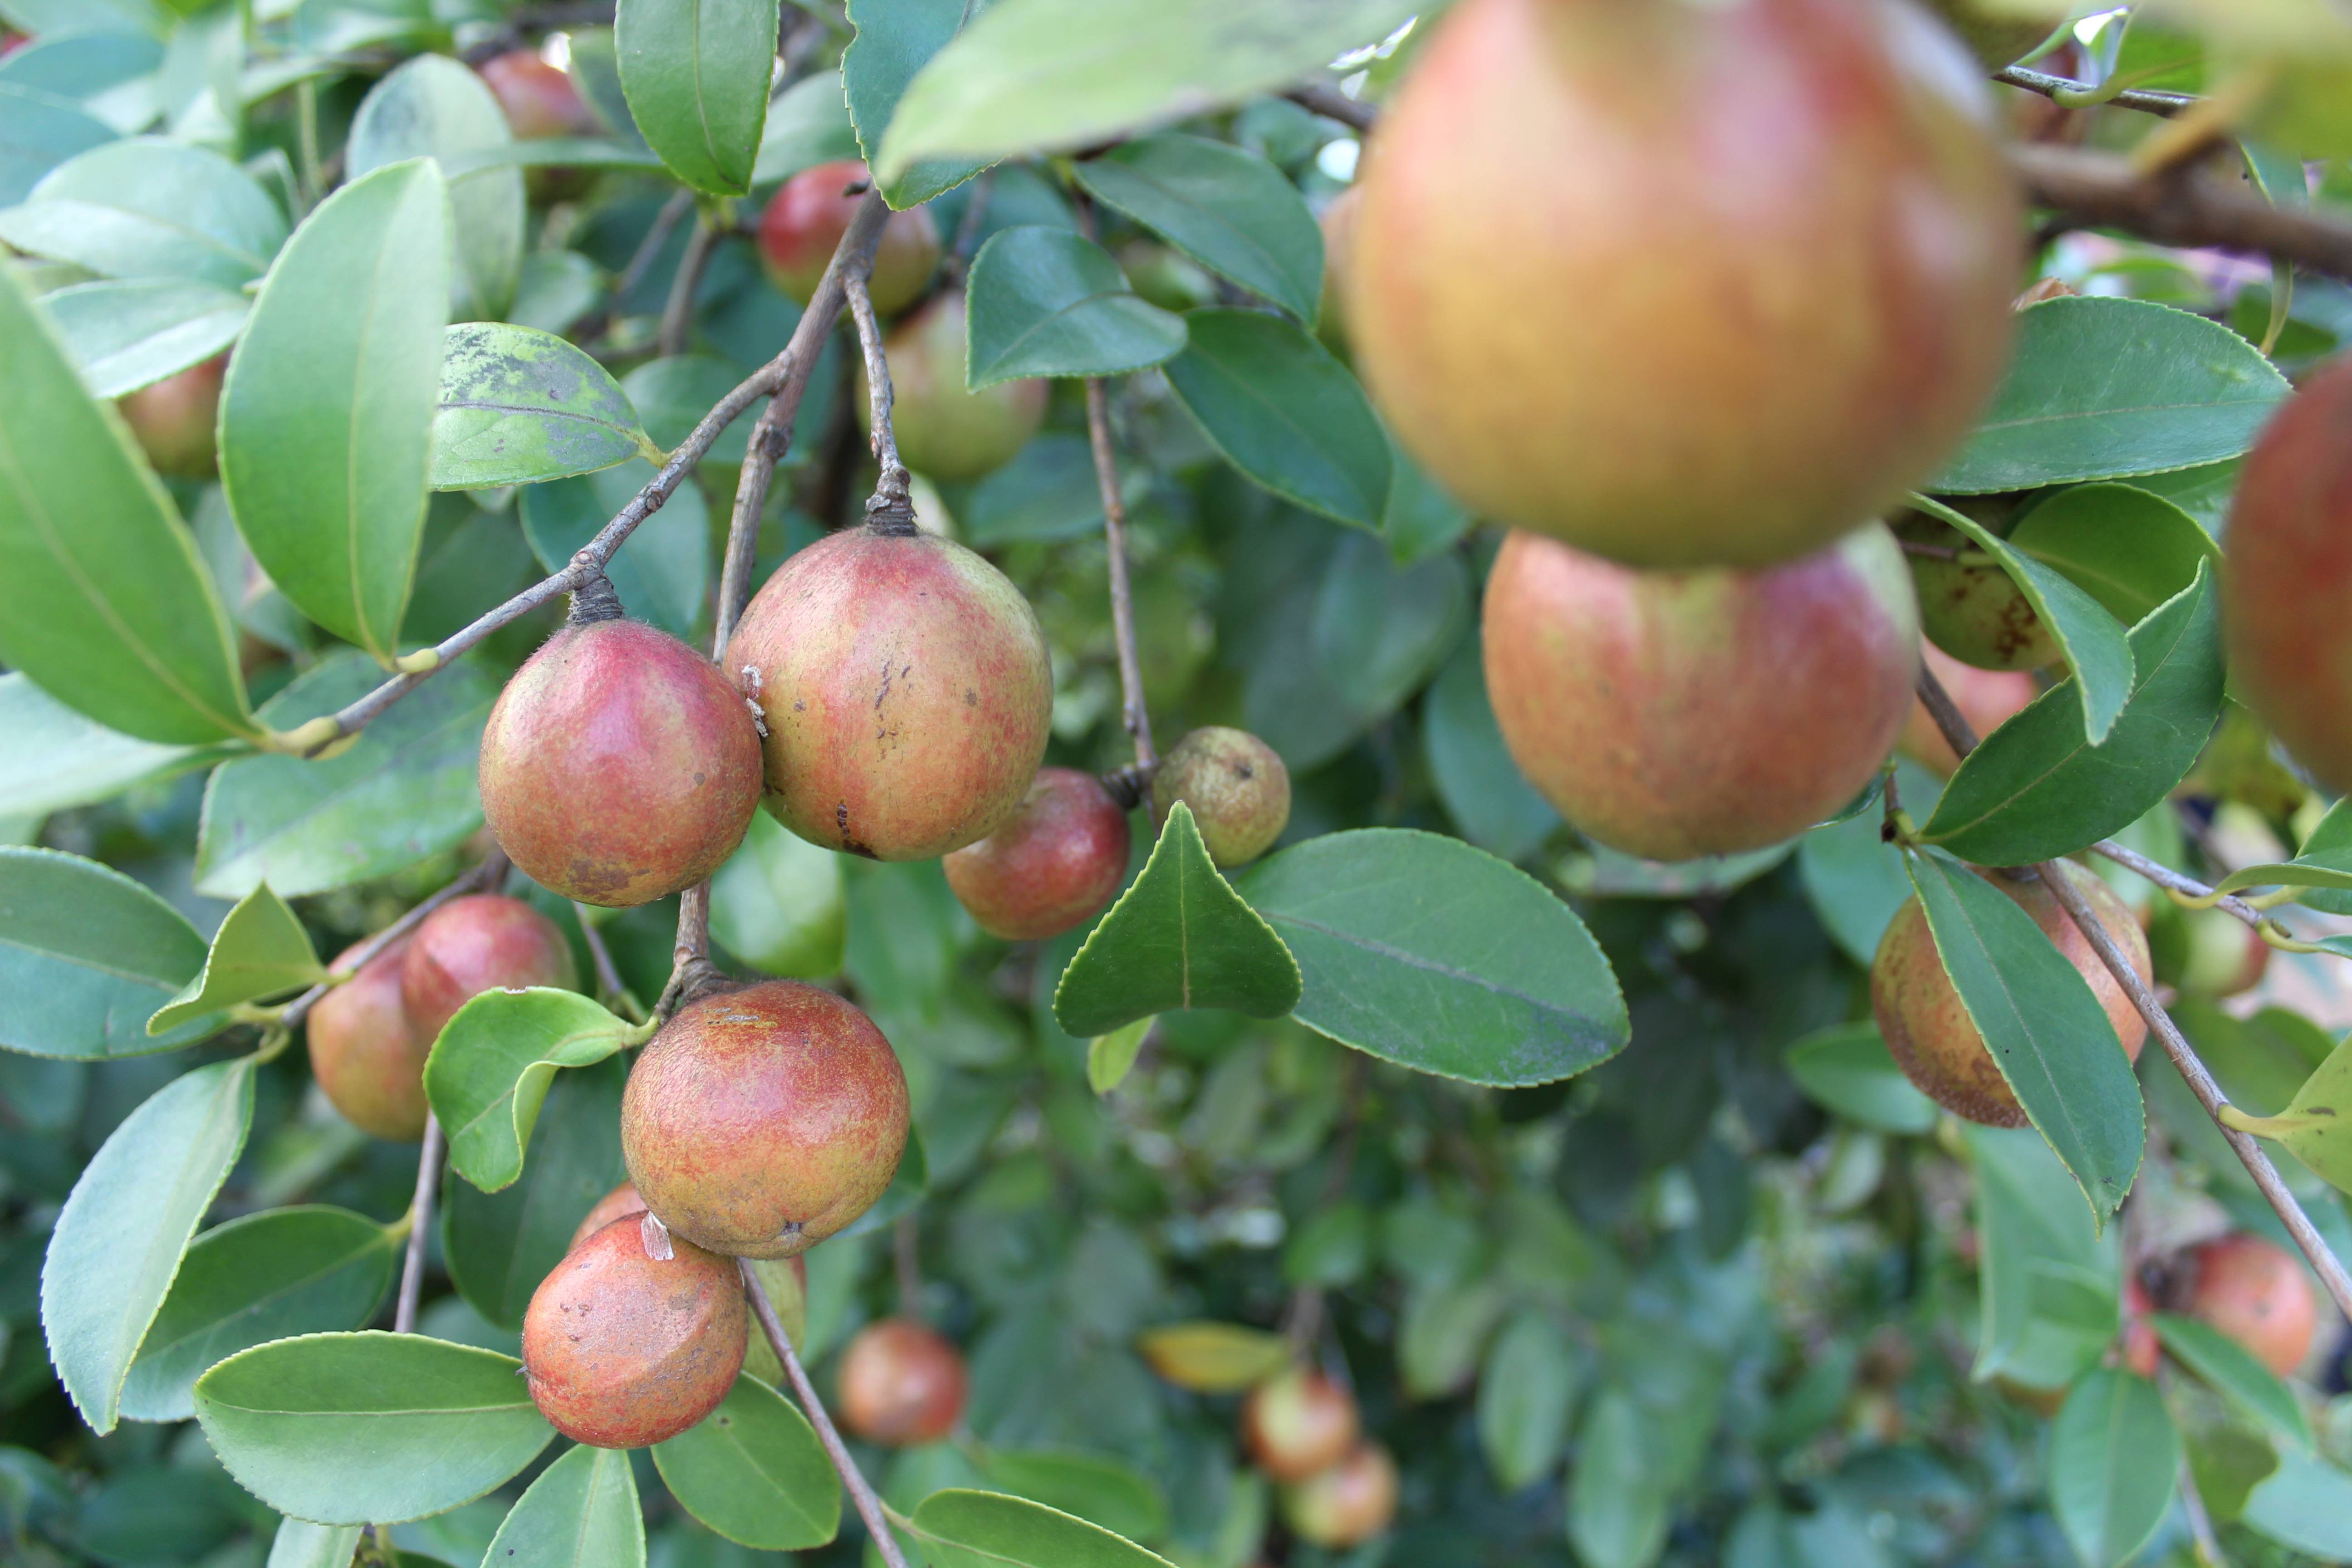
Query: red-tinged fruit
[944,431]
[539,100]
[619,766]
[369,1061]
[624,1350]
[1939,1048]
[2142,1348]
[1050,866]
[1677,714]
[907,692]
[484,941]
[1986,699]
[1237,788]
[2256,1293]
[1352,1502]
[902,1384]
[1338,221]
[1683,285]
[176,419]
[619,1204]
[762,1120]
[1297,1422]
[802,224]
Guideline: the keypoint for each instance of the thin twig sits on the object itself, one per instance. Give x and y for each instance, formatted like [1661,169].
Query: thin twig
[2148,100]
[892,501]
[2200,1524]
[1136,716]
[677,311]
[2166,876]
[2179,206]
[592,326]
[420,1220]
[608,977]
[861,1493]
[488,874]
[1332,104]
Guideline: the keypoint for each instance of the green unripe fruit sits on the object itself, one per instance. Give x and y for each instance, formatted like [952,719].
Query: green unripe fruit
[1976,613]
[1236,786]
[944,431]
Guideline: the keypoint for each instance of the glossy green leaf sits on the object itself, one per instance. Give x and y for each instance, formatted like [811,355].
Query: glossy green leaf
[2031,1228]
[661,571]
[38,130]
[519,405]
[2323,867]
[754,1470]
[327,417]
[673,393]
[1617,1507]
[1421,519]
[501,1245]
[118,1243]
[2115,1458]
[1110,1057]
[490,1071]
[558,287]
[1853,879]
[895,39]
[433,107]
[696,74]
[111,74]
[147,207]
[549,153]
[779,904]
[1381,631]
[260,951]
[1847,1068]
[808,124]
[103,601]
[2203,492]
[1437,956]
[349,1428]
[1044,301]
[57,758]
[2129,550]
[2106,388]
[2305,1503]
[2312,1126]
[1527,1393]
[581,1512]
[265,1277]
[1285,412]
[1227,208]
[1179,937]
[2047,1032]
[2232,1370]
[86,956]
[2038,788]
[298,1543]
[1485,792]
[127,335]
[1096,1488]
[1031,76]
[961,1529]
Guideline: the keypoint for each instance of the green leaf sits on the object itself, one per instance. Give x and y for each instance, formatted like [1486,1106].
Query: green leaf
[147,207]
[103,601]
[1853,879]
[2329,867]
[1847,1068]
[86,956]
[519,405]
[38,130]
[1485,792]
[581,1512]
[2032,1229]
[696,74]
[2046,1031]
[260,950]
[433,107]
[265,1277]
[111,74]
[2038,788]
[1382,629]
[661,571]
[298,1543]
[894,38]
[2106,388]
[754,1470]
[491,1068]
[808,124]
[1096,1488]
[2129,550]
[1285,413]
[1179,937]
[550,152]
[779,903]
[672,393]
[501,1245]
[2232,1368]
[2312,1126]
[117,1241]
[1044,301]
[1030,76]
[2115,1458]
[1110,1057]
[1439,957]
[962,1529]
[1421,519]
[2305,1503]
[1227,208]
[349,1428]
[327,417]
[1527,1393]
[1214,1358]
[132,335]
[56,758]
[1617,1507]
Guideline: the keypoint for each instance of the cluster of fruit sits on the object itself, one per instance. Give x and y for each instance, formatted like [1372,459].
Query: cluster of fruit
[1302,1431]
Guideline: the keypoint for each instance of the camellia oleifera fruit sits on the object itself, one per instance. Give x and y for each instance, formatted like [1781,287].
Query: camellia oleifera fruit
[540,101]
[1683,285]
[1237,788]
[2206,954]
[1675,714]
[2256,1293]
[369,1061]
[902,1383]
[1296,1423]
[624,1350]
[907,690]
[484,941]
[1049,866]
[944,431]
[1935,1042]
[1986,699]
[1352,1502]
[760,1121]
[619,766]
[1976,613]
[802,224]
[176,420]
[619,1204]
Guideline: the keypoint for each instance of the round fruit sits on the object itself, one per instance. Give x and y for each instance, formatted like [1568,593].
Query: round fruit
[1934,1041]
[1683,285]
[1049,866]
[1338,245]
[619,1204]
[1986,699]
[1675,714]
[1237,787]
[2142,1349]
[804,220]
[2206,954]
[944,431]
[1165,276]
[901,1384]
[1352,1502]
[365,1055]
[485,942]
[1976,614]
[1994,40]
[539,100]
[760,1121]
[174,420]
[906,690]
[2258,1295]
[624,1350]
[1296,1423]
[619,766]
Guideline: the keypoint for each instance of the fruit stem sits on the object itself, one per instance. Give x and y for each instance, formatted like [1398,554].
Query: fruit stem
[1132,710]
[891,508]
[594,600]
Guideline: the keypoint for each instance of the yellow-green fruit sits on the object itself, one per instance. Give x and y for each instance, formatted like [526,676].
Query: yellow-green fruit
[944,431]
[1237,787]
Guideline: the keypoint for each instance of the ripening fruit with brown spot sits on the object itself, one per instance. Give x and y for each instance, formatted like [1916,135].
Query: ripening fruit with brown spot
[901,1384]
[2256,1293]
[1675,714]
[1048,867]
[1936,1045]
[907,690]
[1296,1423]
[484,941]
[176,419]
[624,1350]
[762,1120]
[945,432]
[802,224]
[1352,1502]
[1977,614]
[367,1058]
[1236,785]
[1986,699]
[619,766]
[1758,255]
